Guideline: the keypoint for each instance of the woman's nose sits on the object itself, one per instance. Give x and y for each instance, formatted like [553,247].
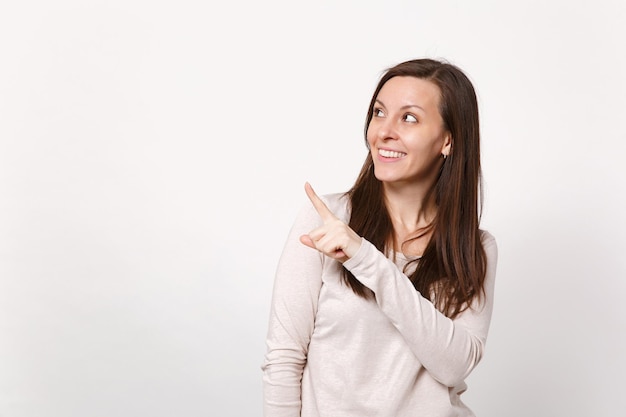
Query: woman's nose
[387,130]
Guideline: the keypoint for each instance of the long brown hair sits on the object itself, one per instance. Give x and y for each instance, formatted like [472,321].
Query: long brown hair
[451,271]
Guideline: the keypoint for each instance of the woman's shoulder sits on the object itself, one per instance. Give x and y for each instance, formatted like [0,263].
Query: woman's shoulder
[339,204]
[336,202]
[487,239]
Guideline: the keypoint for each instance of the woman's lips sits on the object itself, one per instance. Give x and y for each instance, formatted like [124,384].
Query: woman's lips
[387,153]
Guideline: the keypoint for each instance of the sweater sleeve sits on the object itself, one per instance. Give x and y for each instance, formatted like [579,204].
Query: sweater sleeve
[448,349]
[293,308]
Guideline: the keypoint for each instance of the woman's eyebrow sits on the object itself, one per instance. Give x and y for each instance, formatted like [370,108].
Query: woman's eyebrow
[408,106]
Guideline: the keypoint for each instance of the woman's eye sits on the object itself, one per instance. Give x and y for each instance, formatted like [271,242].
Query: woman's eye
[378,113]
[410,118]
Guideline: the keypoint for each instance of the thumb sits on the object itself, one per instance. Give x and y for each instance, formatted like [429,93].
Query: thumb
[306,240]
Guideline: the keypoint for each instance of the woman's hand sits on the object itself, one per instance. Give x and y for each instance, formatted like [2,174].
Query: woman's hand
[334,238]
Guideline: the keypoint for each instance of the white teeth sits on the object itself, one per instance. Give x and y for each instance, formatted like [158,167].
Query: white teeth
[390,154]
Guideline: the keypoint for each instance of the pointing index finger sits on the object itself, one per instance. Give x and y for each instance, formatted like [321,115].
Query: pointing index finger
[319,205]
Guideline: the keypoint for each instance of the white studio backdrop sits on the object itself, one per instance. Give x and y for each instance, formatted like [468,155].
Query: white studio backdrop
[152,159]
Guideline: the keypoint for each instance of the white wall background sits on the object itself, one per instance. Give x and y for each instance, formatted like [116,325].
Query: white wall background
[152,157]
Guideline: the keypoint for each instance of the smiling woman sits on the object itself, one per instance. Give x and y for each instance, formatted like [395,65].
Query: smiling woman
[406,132]
[383,294]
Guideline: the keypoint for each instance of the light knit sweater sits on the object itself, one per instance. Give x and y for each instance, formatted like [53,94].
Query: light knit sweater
[331,353]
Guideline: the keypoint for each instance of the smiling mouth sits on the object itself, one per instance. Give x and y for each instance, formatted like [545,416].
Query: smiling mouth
[390,154]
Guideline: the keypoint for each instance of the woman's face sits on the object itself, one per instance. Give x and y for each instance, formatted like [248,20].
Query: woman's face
[406,134]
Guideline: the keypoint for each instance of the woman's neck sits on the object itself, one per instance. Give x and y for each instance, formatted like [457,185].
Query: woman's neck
[412,211]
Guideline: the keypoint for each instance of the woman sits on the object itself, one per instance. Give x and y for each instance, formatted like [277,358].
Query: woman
[383,295]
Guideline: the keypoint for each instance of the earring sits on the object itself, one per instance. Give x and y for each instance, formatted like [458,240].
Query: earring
[444,156]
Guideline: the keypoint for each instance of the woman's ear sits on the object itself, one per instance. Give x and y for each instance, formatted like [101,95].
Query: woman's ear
[447,144]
